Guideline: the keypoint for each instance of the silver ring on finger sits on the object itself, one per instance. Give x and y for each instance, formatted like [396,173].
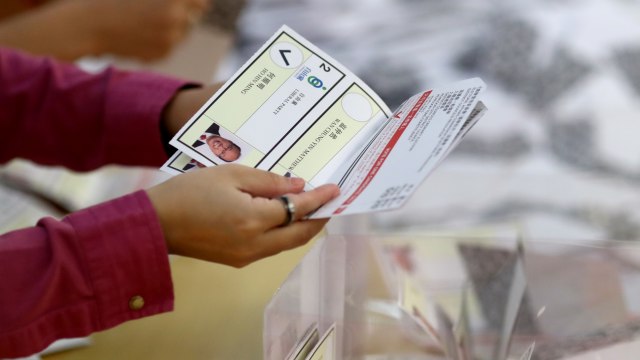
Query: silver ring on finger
[290,208]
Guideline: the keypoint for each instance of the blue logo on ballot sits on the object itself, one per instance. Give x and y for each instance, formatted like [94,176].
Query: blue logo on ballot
[315,82]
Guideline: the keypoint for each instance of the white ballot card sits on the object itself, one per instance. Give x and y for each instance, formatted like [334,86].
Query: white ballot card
[413,301]
[325,349]
[179,163]
[446,333]
[462,329]
[293,110]
[407,148]
[305,344]
[290,109]
[529,352]
[517,292]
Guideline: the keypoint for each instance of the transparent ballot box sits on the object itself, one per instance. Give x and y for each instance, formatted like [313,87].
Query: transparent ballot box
[435,297]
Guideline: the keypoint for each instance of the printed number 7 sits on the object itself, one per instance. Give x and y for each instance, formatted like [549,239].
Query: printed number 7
[324,67]
[282,52]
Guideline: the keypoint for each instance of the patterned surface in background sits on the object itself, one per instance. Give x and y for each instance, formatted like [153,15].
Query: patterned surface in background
[557,153]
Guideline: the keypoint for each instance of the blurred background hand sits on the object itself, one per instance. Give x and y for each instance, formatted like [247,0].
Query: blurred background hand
[143,29]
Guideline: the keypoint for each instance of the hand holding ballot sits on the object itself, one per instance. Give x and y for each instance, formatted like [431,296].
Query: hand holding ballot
[233,215]
[295,111]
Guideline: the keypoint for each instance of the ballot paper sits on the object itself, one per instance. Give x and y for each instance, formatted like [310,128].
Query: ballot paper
[293,110]
[325,349]
[305,345]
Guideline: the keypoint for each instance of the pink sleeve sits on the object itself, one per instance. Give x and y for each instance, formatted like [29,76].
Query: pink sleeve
[88,272]
[55,114]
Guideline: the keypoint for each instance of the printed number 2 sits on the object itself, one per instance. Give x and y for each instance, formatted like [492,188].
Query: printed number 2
[282,52]
[324,67]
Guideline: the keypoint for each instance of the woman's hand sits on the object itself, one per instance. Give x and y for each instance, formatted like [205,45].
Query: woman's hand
[70,29]
[145,29]
[232,214]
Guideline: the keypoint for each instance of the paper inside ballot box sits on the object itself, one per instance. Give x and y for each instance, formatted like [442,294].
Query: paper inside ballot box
[566,295]
[574,294]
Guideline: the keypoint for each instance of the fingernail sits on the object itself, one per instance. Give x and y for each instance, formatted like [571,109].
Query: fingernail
[296,181]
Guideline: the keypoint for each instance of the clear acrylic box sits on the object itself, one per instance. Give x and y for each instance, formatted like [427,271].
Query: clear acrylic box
[580,300]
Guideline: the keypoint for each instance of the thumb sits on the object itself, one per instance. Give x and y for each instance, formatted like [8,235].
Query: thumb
[267,184]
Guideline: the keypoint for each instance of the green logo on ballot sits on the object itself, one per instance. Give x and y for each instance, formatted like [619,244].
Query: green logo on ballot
[315,82]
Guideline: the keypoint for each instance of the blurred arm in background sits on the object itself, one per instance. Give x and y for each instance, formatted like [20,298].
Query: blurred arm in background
[70,29]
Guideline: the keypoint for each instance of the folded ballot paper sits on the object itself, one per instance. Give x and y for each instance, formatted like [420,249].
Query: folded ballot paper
[293,110]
